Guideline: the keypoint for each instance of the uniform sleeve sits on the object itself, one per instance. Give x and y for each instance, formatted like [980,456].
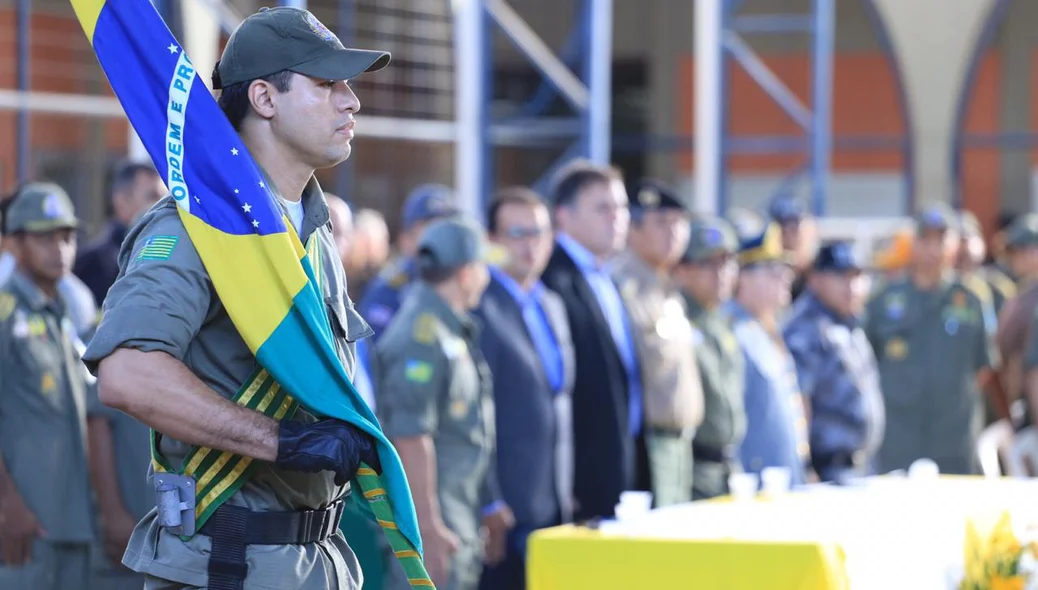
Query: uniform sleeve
[161,297]
[410,379]
[1031,352]
[802,347]
[377,306]
[987,354]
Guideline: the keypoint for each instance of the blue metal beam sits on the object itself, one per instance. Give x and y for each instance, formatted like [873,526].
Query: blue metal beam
[816,120]
[822,93]
[589,52]
[773,23]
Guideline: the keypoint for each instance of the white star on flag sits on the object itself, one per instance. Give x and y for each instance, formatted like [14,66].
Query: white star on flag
[246,207]
[172,48]
[234,151]
[235,191]
[261,184]
[255,223]
[197,200]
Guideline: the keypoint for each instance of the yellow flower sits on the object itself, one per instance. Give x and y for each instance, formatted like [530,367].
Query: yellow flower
[1013,583]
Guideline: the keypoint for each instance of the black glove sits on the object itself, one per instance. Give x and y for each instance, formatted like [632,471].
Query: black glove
[331,445]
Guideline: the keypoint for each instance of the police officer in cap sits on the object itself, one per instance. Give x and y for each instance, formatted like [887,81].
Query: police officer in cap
[663,336]
[706,275]
[435,402]
[932,334]
[46,523]
[776,431]
[835,364]
[381,298]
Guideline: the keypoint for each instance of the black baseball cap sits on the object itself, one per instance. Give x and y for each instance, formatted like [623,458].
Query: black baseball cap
[651,195]
[288,38]
[839,256]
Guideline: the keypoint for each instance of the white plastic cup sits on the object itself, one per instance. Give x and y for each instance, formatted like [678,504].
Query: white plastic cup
[638,502]
[776,480]
[923,469]
[743,486]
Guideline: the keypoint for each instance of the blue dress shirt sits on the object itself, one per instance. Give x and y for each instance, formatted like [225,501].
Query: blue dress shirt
[537,325]
[609,300]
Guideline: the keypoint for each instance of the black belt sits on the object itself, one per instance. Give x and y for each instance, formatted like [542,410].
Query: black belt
[701,452]
[232,528]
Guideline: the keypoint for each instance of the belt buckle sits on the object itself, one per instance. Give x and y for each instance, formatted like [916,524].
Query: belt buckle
[307,527]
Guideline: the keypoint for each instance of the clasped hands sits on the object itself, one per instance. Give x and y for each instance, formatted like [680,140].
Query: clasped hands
[325,445]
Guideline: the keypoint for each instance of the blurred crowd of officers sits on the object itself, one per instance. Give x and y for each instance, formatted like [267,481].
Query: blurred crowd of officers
[592,340]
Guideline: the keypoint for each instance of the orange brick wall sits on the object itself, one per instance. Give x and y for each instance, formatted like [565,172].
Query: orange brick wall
[61,61]
[865,101]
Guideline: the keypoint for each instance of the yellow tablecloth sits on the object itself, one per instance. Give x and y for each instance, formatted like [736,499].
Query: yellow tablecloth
[888,533]
[572,558]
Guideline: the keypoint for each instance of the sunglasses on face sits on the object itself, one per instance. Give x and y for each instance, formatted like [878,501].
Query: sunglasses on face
[520,233]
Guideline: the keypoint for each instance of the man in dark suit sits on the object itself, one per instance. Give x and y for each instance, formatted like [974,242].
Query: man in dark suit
[526,342]
[591,218]
[136,186]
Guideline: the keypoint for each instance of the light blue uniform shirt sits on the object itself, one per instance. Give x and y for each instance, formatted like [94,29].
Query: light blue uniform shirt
[537,325]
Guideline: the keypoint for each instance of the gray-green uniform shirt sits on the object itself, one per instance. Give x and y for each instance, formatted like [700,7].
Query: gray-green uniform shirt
[722,369]
[929,346]
[432,380]
[43,403]
[166,302]
[44,396]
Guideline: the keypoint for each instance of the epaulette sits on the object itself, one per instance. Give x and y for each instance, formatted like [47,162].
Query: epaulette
[977,286]
[7,305]
[395,274]
[1001,282]
[424,330]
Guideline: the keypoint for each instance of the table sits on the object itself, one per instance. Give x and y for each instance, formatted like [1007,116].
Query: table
[882,534]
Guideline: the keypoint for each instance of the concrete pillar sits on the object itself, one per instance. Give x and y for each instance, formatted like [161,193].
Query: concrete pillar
[1017,39]
[934,65]
[201,38]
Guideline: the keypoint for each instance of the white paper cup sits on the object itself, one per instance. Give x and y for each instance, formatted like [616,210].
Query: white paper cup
[776,480]
[743,486]
[637,501]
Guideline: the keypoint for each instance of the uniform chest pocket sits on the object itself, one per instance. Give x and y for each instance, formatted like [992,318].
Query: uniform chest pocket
[346,323]
[41,369]
[462,406]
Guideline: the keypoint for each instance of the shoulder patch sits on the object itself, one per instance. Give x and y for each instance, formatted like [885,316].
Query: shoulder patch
[7,303]
[158,248]
[398,279]
[417,371]
[425,329]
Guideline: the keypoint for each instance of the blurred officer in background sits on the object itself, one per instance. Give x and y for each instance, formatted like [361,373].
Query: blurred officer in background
[663,335]
[527,344]
[970,262]
[435,403]
[79,302]
[1015,322]
[776,429]
[382,296]
[836,367]
[46,523]
[798,236]
[706,274]
[591,217]
[932,335]
[136,186]
[369,250]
